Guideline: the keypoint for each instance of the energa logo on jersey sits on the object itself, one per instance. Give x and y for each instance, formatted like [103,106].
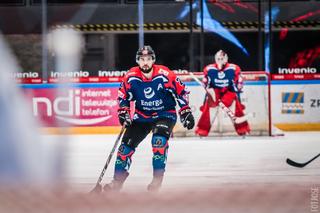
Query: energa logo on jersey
[221,75]
[221,81]
[148,92]
[77,107]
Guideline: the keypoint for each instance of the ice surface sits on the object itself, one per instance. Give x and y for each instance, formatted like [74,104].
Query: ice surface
[200,162]
[214,175]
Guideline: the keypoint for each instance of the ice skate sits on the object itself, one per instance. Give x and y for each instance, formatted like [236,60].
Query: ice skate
[155,184]
[114,186]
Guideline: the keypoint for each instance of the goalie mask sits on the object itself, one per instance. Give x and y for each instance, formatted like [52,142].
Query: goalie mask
[221,59]
[145,58]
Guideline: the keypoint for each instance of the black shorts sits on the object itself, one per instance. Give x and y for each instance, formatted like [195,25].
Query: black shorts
[138,131]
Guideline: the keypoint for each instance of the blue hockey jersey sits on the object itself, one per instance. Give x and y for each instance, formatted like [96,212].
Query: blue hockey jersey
[155,97]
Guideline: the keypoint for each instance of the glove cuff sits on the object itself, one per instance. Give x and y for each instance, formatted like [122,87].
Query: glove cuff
[121,109]
[184,109]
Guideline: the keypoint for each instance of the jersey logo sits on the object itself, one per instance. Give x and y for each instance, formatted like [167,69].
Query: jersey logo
[162,71]
[159,87]
[179,81]
[148,92]
[221,75]
[130,96]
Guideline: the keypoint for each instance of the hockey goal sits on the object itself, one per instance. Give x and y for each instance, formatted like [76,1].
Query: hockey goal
[255,97]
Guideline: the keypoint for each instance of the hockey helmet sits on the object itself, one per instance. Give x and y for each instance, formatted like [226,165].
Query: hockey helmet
[145,51]
[221,59]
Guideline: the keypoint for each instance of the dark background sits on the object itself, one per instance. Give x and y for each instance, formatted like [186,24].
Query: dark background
[295,38]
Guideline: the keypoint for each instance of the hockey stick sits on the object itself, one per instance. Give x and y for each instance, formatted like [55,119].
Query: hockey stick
[301,165]
[98,187]
[226,109]
[215,117]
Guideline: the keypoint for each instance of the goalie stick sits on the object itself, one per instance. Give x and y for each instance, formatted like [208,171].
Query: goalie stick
[301,165]
[98,187]
[226,109]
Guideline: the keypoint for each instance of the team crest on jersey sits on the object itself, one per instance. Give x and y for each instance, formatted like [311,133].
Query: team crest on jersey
[221,75]
[148,92]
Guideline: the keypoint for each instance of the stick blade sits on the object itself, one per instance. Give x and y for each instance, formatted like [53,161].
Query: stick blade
[240,120]
[97,189]
[295,164]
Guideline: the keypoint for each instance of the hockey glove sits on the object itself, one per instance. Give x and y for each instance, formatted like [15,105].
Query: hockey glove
[124,116]
[186,117]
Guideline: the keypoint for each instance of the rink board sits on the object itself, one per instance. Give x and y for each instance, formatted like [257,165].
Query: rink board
[90,108]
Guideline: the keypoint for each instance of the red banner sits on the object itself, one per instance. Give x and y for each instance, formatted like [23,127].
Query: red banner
[29,80]
[86,80]
[295,76]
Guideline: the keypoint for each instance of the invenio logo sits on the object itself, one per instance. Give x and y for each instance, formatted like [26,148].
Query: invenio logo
[303,70]
[78,107]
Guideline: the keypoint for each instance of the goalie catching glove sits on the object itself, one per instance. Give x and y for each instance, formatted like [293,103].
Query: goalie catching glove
[186,117]
[124,116]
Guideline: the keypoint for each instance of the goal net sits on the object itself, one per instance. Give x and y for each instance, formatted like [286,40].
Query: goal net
[255,97]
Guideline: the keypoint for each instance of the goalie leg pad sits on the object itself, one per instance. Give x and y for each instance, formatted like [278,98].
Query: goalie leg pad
[242,128]
[239,109]
[228,99]
[204,124]
[123,162]
[160,150]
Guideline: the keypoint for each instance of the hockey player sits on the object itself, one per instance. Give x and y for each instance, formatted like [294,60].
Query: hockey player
[155,90]
[224,83]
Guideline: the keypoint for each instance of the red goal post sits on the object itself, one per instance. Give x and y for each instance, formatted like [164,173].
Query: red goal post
[256,97]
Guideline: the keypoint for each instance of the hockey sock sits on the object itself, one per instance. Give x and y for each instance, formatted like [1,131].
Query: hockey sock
[123,162]
[160,149]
